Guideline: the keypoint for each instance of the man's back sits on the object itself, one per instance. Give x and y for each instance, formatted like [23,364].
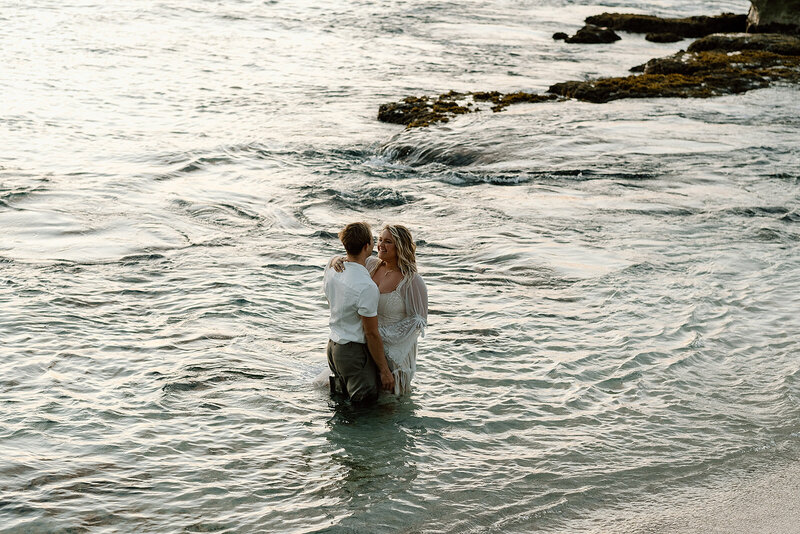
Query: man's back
[351,294]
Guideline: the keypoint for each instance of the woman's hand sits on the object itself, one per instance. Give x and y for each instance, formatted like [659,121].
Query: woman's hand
[337,264]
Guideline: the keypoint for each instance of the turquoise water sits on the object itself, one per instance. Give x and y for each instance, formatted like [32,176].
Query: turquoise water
[613,288]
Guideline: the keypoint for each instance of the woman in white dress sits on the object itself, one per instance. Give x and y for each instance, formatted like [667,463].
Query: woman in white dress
[403,301]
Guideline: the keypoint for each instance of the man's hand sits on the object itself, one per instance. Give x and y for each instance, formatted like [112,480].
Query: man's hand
[387,380]
[375,345]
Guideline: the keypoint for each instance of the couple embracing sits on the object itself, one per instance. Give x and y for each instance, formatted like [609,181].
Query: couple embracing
[379,307]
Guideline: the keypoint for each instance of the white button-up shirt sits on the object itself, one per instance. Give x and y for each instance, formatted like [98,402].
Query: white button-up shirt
[351,294]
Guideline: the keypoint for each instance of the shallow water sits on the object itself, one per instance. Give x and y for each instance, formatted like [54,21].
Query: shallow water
[614,288]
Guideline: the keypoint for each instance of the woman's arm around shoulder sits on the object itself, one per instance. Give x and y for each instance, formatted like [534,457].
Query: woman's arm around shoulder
[372,263]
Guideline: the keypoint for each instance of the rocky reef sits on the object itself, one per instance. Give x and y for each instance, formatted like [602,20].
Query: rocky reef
[416,111]
[715,65]
[664,37]
[683,27]
[724,60]
[785,45]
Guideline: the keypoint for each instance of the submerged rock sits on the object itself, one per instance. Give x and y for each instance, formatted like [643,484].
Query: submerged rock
[685,27]
[560,36]
[663,37]
[593,34]
[774,16]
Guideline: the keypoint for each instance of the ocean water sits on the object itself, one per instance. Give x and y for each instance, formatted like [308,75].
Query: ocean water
[614,289]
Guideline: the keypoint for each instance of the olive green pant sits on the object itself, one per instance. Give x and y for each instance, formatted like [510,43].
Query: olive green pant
[356,374]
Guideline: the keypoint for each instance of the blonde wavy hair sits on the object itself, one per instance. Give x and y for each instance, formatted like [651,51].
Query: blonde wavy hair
[406,249]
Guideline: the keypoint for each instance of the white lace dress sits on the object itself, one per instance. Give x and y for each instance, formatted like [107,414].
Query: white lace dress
[402,317]
[402,357]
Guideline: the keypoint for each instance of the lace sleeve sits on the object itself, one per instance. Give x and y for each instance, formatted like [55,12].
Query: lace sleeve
[416,298]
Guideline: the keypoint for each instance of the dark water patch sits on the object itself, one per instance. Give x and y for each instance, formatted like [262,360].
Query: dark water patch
[52,479]
[143,292]
[186,165]
[232,17]
[498,280]
[222,214]
[324,234]
[135,259]
[620,384]
[348,154]
[535,277]
[637,269]
[525,176]
[205,526]
[10,195]
[790,177]
[192,385]
[786,214]
[430,244]
[202,163]
[250,374]
[259,150]
[241,212]
[362,197]
[78,302]
[656,211]
[773,235]
[476,178]
[203,377]
[417,156]
[291,267]
[581,175]
[792,216]
[218,372]
[215,242]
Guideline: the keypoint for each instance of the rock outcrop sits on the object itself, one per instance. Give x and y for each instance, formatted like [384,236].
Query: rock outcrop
[774,16]
[776,43]
[416,111]
[685,27]
[713,66]
[663,37]
[593,34]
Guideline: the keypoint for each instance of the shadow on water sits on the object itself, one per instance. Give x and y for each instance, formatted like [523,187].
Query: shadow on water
[374,450]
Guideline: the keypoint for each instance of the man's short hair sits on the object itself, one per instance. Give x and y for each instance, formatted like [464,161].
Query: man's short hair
[355,236]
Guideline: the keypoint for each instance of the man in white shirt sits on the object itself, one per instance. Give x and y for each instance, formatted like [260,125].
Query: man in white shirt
[355,348]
